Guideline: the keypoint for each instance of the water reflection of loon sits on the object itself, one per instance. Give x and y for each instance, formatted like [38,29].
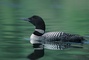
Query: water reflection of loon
[49,40]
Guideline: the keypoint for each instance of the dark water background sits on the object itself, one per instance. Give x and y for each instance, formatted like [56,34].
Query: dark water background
[70,16]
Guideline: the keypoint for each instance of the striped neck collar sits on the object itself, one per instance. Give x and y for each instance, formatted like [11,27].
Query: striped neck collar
[39,32]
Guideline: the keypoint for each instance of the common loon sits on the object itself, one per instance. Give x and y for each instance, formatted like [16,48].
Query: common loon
[50,40]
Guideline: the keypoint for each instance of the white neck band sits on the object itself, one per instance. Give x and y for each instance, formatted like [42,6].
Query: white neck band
[40,31]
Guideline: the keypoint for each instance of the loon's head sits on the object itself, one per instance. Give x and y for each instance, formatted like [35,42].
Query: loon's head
[36,21]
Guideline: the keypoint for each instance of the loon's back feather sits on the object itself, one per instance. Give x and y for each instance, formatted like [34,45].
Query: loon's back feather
[62,36]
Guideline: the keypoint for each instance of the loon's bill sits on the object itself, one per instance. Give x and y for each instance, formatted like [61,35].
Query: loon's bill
[25,19]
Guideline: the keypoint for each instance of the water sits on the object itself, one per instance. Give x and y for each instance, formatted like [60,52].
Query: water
[70,16]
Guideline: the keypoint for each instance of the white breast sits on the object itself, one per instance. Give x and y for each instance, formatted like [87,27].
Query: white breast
[35,39]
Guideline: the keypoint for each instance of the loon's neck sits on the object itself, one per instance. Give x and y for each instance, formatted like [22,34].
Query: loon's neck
[39,29]
[39,32]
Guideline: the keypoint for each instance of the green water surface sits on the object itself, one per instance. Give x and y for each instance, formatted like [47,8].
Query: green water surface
[70,16]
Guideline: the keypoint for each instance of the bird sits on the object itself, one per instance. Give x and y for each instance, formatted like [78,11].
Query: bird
[50,40]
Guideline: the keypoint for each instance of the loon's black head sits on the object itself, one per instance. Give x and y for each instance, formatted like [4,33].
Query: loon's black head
[37,22]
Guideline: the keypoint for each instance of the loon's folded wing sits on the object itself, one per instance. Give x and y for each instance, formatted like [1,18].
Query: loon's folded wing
[60,40]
